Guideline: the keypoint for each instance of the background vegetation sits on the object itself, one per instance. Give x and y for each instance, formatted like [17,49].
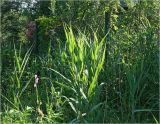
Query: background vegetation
[90,71]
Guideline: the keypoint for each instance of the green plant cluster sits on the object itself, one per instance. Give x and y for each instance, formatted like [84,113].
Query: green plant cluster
[87,75]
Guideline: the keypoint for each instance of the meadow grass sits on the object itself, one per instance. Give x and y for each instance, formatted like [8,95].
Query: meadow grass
[80,83]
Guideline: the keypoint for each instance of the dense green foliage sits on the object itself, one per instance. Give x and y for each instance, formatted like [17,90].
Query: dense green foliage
[88,73]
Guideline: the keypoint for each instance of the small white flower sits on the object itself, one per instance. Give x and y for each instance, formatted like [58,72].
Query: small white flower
[36,80]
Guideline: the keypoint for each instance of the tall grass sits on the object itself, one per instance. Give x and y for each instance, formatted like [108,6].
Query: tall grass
[85,59]
[79,84]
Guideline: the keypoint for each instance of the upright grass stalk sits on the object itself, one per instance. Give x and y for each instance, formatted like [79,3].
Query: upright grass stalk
[85,58]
